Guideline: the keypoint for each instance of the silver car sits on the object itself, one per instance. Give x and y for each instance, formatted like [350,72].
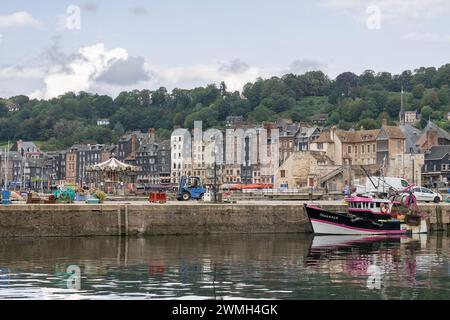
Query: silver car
[427,195]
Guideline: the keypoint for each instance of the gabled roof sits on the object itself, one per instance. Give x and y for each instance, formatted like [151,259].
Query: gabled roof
[442,134]
[394,132]
[306,132]
[412,135]
[325,137]
[358,136]
[180,132]
[437,152]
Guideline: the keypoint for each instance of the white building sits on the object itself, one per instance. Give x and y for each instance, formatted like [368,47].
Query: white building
[198,157]
[103,122]
[411,117]
[181,145]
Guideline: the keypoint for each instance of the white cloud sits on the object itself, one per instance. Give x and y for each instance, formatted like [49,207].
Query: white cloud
[21,73]
[19,19]
[301,66]
[427,37]
[99,70]
[203,74]
[81,72]
[393,11]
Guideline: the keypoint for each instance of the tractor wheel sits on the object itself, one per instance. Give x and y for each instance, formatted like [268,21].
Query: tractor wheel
[186,196]
[202,197]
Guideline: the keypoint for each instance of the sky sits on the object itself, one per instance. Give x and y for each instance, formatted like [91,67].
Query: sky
[50,47]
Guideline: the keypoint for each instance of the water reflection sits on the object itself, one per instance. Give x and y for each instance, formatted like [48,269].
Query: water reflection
[226,266]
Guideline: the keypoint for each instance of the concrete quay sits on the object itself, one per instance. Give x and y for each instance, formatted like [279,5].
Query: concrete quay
[175,218]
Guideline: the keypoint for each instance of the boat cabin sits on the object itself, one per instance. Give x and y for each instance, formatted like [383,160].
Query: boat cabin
[369,205]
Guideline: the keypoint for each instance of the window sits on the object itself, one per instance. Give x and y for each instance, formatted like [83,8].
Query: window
[356,149]
[362,149]
[425,190]
[320,146]
[349,149]
[283,173]
[405,183]
[368,148]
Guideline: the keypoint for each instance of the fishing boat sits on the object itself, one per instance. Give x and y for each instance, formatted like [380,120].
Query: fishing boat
[368,215]
[380,213]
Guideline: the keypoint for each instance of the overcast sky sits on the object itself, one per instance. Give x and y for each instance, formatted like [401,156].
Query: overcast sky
[45,50]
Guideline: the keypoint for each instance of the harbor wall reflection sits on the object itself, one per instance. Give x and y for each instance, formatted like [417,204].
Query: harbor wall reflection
[286,265]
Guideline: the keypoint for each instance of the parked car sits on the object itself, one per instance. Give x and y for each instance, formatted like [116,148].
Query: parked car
[427,195]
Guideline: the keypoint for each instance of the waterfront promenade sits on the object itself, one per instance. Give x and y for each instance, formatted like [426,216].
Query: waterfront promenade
[120,218]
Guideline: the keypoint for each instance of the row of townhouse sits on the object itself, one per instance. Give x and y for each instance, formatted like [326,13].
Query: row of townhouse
[31,168]
[334,159]
[152,156]
[240,154]
[23,165]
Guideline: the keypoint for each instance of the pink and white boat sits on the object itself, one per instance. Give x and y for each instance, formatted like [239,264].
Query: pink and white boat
[369,216]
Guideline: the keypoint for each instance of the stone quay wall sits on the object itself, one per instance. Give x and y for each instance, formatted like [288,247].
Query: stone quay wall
[80,220]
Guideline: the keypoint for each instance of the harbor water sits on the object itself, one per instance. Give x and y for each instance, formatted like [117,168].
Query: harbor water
[293,266]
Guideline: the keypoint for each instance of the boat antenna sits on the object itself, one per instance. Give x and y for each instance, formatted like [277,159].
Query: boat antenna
[368,176]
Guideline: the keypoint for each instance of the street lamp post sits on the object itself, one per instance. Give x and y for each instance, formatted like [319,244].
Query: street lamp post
[215,179]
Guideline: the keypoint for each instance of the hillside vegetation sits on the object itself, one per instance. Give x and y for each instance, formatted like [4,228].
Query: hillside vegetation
[350,100]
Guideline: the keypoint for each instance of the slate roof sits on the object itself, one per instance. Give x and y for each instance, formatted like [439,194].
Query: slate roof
[442,134]
[412,135]
[358,136]
[394,132]
[437,152]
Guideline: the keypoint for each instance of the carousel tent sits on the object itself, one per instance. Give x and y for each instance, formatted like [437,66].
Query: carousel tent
[113,165]
[112,175]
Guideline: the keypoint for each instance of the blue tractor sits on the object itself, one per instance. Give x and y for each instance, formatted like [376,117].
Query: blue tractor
[190,188]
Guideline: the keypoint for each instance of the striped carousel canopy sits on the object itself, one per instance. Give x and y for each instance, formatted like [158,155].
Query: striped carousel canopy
[113,165]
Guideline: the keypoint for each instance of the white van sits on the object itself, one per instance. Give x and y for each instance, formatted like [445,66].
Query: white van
[382,185]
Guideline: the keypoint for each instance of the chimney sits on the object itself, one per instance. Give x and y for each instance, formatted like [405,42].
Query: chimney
[152,135]
[432,138]
[332,132]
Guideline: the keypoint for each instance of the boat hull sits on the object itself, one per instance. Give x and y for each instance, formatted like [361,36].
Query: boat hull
[332,223]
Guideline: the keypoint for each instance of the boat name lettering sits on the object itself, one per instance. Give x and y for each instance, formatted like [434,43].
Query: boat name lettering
[328,217]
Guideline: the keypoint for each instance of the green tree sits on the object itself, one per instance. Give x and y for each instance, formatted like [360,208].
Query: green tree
[430,98]
[426,112]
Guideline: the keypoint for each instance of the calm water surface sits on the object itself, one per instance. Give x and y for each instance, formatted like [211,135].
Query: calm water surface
[226,267]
